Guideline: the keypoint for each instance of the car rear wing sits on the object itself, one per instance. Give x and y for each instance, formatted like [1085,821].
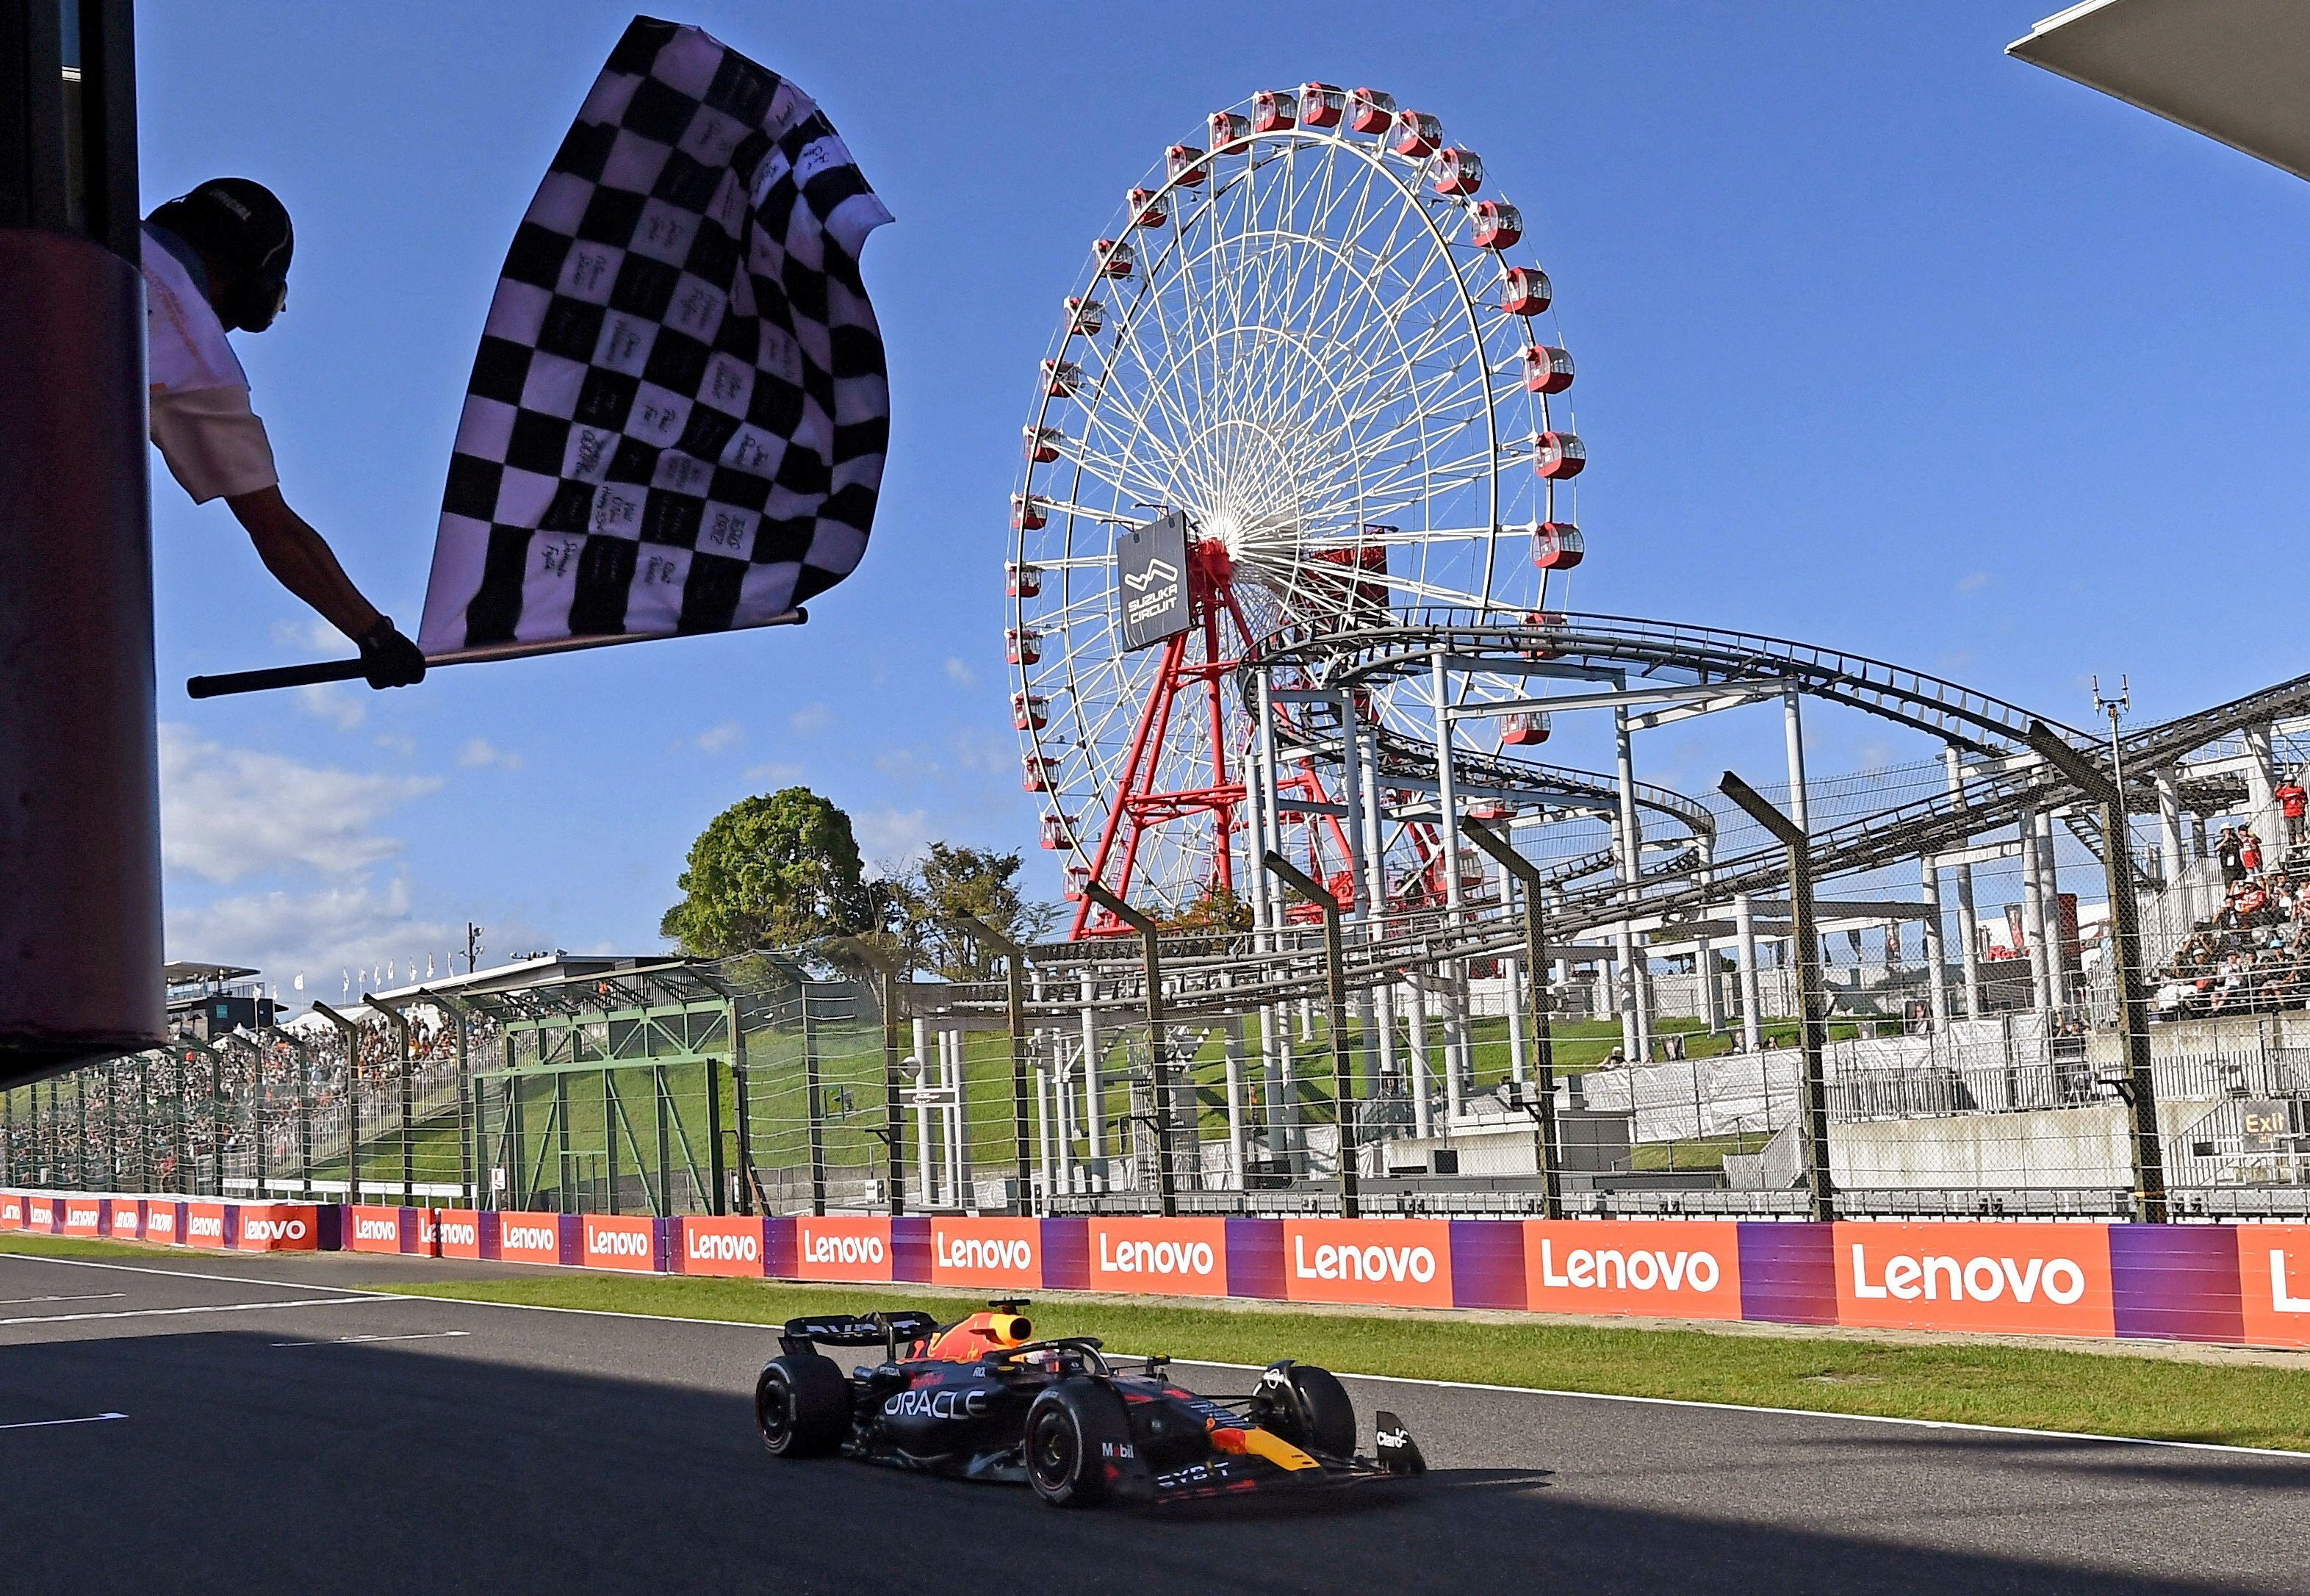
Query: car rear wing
[888,1331]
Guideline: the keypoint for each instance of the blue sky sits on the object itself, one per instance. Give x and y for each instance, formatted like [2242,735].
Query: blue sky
[1884,341]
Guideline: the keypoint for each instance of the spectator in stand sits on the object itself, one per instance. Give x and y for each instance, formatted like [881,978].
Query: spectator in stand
[2250,851]
[2230,855]
[2293,803]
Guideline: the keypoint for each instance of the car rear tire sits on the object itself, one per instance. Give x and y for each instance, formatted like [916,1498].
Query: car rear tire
[802,1405]
[1309,1407]
[1068,1432]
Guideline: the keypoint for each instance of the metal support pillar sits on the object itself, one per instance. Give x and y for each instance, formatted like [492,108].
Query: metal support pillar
[1969,925]
[742,1112]
[1158,1045]
[1542,1094]
[813,1091]
[1335,993]
[1936,958]
[1752,1004]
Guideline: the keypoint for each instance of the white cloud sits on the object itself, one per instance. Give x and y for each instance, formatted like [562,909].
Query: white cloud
[342,925]
[398,742]
[479,753]
[329,701]
[811,717]
[721,738]
[777,772]
[309,633]
[907,764]
[957,671]
[1973,582]
[229,813]
[891,834]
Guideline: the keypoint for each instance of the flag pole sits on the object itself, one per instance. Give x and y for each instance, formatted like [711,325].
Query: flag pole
[351,670]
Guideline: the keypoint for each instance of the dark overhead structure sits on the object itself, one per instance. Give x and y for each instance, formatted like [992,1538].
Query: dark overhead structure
[80,846]
[2234,70]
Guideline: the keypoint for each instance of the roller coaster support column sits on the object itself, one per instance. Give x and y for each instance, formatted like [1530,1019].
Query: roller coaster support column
[1335,992]
[1158,1045]
[1635,1026]
[1811,1027]
[2049,900]
[1382,997]
[1936,958]
[1968,929]
[1014,997]
[1753,1011]
[2172,858]
[1542,1096]
[1704,954]
[1094,1088]
[2032,913]
[1458,1059]
[2138,1087]
[1355,772]
[2259,790]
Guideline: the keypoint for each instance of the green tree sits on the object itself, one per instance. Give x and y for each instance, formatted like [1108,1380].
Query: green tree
[771,872]
[950,880]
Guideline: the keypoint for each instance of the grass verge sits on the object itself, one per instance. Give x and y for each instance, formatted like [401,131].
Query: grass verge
[2030,1388]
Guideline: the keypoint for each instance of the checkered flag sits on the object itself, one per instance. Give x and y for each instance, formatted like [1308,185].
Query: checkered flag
[677,420]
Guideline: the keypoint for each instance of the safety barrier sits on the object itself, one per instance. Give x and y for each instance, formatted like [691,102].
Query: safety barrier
[2246,1284]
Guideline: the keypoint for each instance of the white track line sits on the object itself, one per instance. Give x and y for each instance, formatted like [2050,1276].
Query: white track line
[50,1424]
[218,1308]
[1922,1423]
[422,1335]
[10,1302]
[188,1274]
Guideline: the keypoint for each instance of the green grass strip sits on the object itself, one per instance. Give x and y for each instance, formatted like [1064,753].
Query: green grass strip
[2026,1387]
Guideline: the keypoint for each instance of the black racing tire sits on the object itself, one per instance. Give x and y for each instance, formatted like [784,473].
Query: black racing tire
[802,1405]
[1310,1409]
[1068,1433]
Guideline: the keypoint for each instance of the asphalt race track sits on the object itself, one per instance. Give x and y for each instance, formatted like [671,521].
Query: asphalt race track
[276,1433]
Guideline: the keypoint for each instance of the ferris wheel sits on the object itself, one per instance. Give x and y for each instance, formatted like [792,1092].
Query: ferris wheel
[1307,342]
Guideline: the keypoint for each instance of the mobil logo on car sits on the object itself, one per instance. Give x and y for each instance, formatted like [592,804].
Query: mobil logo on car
[611,1241]
[1001,1253]
[1405,1262]
[843,1248]
[1678,1268]
[2274,1283]
[724,1246]
[205,1224]
[1162,1257]
[529,1238]
[2039,1279]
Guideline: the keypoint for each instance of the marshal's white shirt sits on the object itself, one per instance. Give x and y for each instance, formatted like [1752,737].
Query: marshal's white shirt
[213,441]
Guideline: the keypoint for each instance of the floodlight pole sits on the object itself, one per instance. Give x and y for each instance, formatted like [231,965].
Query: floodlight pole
[1015,1015]
[2140,1089]
[1813,1011]
[1335,986]
[894,1107]
[1543,1116]
[1158,1052]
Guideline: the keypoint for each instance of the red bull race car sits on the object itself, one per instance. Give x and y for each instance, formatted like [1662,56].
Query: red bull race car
[983,1400]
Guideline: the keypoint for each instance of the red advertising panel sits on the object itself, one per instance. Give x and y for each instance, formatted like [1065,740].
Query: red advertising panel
[529,1238]
[1675,1269]
[844,1248]
[127,1219]
[1399,1263]
[161,1221]
[83,1216]
[40,1214]
[724,1246]
[2034,1278]
[373,1229]
[12,1210]
[996,1254]
[205,1224]
[1162,1257]
[613,1241]
[460,1232]
[427,1231]
[279,1227]
[2274,1282]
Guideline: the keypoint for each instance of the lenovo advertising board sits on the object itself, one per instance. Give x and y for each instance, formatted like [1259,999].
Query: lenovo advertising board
[529,1238]
[2274,1282]
[843,1247]
[724,1246]
[614,1241]
[161,1219]
[278,1227]
[2034,1278]
[460,1232]
[83,1216]
[1393,1263]
[125,1222]
[12,1210]
[205,1225]
[376,1229]
[1150,581]
[40,1215]
[1160,1257]
[1673,1269]
[987,1254]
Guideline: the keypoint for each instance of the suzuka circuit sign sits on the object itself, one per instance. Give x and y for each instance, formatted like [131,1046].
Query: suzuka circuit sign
[1151,578]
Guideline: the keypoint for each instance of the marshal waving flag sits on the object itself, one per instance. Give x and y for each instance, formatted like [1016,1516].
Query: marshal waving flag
[677,420]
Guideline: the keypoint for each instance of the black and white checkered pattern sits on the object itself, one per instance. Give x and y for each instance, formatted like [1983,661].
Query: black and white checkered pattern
[677,420]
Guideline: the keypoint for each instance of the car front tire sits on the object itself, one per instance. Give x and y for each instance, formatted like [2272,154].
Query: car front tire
[1068,1432]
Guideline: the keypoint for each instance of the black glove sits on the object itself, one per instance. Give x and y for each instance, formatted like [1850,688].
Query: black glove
[389,659]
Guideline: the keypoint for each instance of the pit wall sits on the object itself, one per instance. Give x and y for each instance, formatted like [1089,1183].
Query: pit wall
[2242,1284]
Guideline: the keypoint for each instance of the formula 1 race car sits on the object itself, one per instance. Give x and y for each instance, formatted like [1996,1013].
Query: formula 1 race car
[981,1399]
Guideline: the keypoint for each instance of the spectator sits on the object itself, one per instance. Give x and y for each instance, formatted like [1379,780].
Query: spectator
[2231,856]
[2250,851]
[2293,803]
